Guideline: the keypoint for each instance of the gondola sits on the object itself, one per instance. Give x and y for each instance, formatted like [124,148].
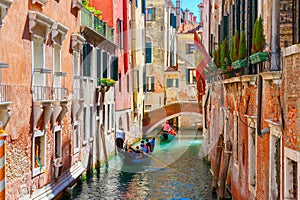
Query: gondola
[131,158]
[166,136]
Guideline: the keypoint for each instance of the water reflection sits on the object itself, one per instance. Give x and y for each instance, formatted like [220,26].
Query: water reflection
[175,172]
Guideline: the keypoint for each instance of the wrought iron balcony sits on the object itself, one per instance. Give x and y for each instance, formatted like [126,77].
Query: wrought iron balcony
[60,93]
[4,93]
[42,93]
[77,93]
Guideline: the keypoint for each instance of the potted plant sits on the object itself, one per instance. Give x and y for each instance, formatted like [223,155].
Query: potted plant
[225,58]
[258,43]
[238,63]
[105,84]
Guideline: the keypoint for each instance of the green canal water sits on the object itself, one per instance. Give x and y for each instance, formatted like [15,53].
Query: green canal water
[176,171]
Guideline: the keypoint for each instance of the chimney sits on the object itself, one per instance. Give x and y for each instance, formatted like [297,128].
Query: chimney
[178,16]
[186,14]
[194,19]
[191,17]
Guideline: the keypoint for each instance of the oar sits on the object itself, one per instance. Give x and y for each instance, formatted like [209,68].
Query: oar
[166,166]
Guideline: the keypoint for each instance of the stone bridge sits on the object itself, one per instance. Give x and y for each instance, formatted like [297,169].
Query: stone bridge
[157,116]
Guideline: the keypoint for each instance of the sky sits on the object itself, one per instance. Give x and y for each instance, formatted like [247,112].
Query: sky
[192,5]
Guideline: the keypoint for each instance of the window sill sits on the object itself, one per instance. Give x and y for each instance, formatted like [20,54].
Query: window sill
[76,150]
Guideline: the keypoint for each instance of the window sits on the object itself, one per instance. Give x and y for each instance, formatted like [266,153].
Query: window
[39,152]
[87,59]
[120,33]
[150,14]
[189,48]
[85,121]
[108,118]
[190,76]
[103,116]
[236,138]
[38,60]
[296,21]
[172,83]
[76,137]
[104,64]
[99,71]
[252,155]
[57,145]
[150,84]
[91,122]
[76,75]
[120,82]
[112,116]
[148,52]
[292,175]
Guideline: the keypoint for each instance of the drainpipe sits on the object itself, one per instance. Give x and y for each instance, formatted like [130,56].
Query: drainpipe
[259,103]
[275,41]
[2,166]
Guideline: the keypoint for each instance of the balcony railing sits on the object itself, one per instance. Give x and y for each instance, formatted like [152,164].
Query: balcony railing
[89,19]
[42,93]
[60,93]
[77,93]
[4,93]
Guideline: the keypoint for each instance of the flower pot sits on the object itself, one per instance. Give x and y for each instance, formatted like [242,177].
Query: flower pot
[239,64]
[258,57]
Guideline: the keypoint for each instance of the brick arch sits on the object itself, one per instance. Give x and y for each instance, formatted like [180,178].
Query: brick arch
[155,117]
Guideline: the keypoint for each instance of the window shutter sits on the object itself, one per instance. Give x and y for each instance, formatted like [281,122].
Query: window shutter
[137,3]
[148,52]
[98,63]
[114,68]
[144,81]
[138,80]
[187,76]
[152,84]
[104,61]
[143,6]
[176,82]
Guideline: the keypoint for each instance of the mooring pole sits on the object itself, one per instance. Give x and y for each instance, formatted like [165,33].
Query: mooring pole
[2,166]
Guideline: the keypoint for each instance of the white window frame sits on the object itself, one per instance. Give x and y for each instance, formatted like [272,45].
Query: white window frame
[39,79]
[275,134]
[290,154]
[252,154]
[42,134]
[191,76]
[57,159]
[76,136]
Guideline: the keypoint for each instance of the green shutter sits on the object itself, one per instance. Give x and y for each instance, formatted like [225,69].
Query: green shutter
[176,83]
[98,63]
[148,52]
[187,76]
[104,61]
[114,68]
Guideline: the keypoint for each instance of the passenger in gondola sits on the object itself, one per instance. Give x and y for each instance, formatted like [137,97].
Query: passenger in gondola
[138,152]
[144,148]
[172,131]
[148,145]
[130,149]
[152,142]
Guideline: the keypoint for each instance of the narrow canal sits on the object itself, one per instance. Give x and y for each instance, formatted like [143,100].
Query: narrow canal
[176,171]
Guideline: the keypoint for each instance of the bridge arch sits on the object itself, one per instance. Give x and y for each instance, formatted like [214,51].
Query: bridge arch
[156,117]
